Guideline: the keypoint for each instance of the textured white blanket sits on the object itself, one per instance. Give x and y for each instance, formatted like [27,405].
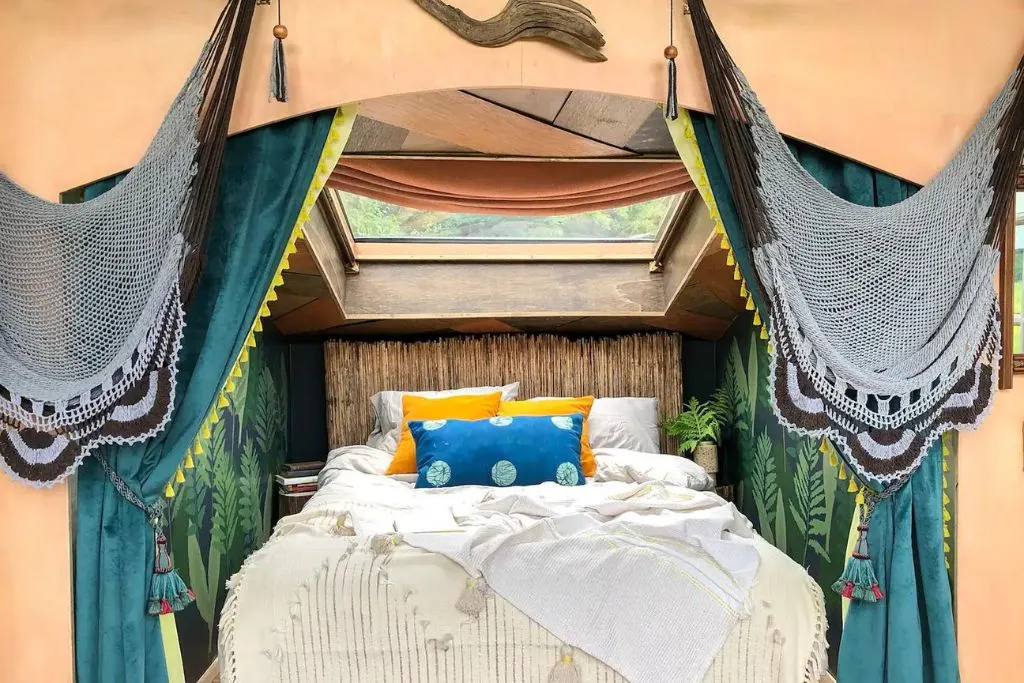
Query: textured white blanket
[649,581]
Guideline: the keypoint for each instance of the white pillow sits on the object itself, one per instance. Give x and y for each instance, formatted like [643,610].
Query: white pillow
[626,423]
[387,410]
[616,464]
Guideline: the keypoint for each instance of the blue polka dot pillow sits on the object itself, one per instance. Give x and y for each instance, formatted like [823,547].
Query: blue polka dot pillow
[498,451]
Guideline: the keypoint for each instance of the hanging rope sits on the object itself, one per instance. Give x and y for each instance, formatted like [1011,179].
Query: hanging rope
[278,68]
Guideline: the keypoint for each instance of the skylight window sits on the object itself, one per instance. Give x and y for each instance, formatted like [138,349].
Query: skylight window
[374,220]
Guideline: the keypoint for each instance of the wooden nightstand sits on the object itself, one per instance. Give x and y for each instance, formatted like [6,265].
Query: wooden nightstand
[291,503]
[725,491]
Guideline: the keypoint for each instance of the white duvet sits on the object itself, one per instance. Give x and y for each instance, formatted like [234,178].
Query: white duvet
[643,574]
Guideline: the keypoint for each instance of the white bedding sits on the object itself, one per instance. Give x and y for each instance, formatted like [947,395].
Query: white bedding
[646,576]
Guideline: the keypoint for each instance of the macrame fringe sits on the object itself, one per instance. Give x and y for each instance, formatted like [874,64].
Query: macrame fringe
[473,600]
[566,670]
[167,591]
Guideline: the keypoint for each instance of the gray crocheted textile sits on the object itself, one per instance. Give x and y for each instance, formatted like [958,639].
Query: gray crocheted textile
[884,321]
[91,312]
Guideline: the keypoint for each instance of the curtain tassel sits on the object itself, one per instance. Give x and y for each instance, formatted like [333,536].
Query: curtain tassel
[278,68]
[566,670]
[858,581]
[671,101]
[167,592]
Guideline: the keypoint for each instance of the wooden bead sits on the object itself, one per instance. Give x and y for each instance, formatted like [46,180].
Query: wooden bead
[671,52]
[281,31]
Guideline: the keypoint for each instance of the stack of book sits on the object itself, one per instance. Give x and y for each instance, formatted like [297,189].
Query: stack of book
[296,484]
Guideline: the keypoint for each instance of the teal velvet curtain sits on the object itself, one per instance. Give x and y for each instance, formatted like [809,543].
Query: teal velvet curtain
[264,179]
[908,637]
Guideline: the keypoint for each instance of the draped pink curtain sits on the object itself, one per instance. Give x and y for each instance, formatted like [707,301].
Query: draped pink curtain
[522,188]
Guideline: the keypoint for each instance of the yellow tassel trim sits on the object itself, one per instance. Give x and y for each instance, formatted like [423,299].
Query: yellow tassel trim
[168,491]
[725,243]
[243,357]
[945,531]
[946,516]
[736,275]
[719,230]
[860,497]
[278,280]
[757,318]
[764,335]
[945,499]
[833,459]
[236,371]
[272,295]
[750,303]
[945,466]
[250,341]
[222,401]
[823,446]
[229,386]
[743,289]
[214,417]
[264,310]
[205,433]
[179,476]
[945,547]
[729,259]
[852,488]
[843,476]
[290,249]
[258,327]
[189,463]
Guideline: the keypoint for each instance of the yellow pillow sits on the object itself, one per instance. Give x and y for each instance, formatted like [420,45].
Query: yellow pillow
[463,407]
[559,406]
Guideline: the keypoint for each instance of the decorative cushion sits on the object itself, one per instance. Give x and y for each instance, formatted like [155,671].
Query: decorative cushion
[627,423]
[387,410]
[558,406]
[500,451]
[465,407]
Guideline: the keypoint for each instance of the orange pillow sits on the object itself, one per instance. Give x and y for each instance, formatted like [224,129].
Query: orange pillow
[559,406]
[462,407]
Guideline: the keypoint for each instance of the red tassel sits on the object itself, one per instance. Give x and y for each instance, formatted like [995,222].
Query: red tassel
[165,607]
[877,591]
[191,594]
[848,590]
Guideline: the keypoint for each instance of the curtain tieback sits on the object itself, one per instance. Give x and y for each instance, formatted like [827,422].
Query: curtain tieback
[167,591]
[858,581]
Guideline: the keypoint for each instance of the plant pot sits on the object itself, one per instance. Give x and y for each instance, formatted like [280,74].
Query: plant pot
[706,455]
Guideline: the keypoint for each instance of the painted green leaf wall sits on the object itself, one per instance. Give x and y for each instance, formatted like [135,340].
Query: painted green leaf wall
[784,484]
[224,511]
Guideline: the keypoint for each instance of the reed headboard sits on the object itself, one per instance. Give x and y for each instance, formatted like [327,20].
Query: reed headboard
[545,365]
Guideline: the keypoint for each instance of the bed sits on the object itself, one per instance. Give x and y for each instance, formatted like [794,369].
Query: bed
[642,574]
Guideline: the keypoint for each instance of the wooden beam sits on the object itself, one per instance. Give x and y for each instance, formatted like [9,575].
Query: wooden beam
[685,247]
[333,212]
[327,253]
[316,316]
[503,290]
[476,124]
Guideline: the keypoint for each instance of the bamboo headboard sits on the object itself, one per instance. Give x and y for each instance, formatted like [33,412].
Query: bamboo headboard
[545,365]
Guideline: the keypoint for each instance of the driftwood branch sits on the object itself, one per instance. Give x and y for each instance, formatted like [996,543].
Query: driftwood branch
[565,22]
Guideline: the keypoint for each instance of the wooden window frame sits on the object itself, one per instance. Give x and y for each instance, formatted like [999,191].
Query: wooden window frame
[1006,265]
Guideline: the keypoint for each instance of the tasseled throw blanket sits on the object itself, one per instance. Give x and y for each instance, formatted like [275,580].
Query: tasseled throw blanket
[91,294]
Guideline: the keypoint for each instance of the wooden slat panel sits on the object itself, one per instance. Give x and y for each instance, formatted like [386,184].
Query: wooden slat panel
[540,104]
[470,122]
[609,118]
[316,316]
[384,290]
[545,365]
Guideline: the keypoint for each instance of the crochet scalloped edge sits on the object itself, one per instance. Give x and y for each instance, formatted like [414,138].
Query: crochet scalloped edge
[333,147]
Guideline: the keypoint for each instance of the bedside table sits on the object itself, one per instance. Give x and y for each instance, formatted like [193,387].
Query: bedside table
[725,491]
[291,503]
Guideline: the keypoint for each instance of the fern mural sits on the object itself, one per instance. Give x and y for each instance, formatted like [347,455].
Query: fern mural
[225,510]
[784,484]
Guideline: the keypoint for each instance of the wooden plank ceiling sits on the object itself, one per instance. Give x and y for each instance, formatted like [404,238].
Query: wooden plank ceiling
[693,293]
[510,122]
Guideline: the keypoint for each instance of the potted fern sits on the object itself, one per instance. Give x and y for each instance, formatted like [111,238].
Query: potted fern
[699,429]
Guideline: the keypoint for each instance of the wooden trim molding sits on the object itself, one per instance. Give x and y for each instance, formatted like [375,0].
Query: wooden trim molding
[1015,364]
[509,252]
